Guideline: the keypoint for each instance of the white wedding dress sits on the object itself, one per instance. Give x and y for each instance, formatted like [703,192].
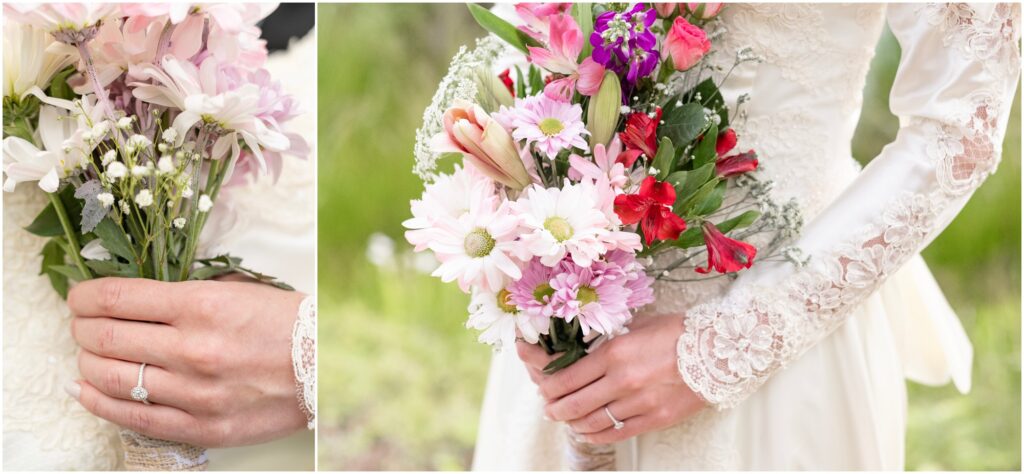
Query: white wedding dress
[271,226]
[806,367]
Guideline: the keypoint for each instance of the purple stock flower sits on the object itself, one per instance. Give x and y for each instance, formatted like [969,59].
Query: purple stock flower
[623,42]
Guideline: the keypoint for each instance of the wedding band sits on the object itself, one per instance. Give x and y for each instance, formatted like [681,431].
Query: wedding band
[615,423]
[139,393]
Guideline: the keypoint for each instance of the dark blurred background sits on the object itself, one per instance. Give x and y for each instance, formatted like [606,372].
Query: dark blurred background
[401,379]
[289,20]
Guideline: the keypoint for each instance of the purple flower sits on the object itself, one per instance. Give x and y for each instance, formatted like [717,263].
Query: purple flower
[623,43]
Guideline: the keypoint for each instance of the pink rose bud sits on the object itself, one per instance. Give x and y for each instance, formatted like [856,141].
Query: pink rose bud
[665,10]
[686,43]
[704,11]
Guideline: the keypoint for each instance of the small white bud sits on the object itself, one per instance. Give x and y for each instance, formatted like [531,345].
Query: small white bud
[109,157]
[139,141]
[205,204]
[187,192]
[162,148]
[125,208]
[139,171]
[100,129]
[116,170]
[165,165]
[169,135]
[106,199]
[179,223]
[144,198]
[124,123]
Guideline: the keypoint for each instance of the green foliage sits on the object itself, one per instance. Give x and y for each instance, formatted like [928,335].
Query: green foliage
[401,378]
[501,28]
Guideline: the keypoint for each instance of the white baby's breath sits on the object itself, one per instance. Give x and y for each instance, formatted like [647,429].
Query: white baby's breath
[165,165]
[187,192]
[106,199]
[169,135]
[144,198]
[139,142]
[125,207]
[139,171]
[109,157]
[179,223]
[205,203]
[124,123]
[116,170]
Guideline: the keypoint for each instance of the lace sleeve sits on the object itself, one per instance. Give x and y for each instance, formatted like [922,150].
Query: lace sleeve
[953,93]
[304,358]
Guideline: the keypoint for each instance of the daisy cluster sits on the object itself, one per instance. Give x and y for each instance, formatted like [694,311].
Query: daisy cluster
[603,143]
[131,117]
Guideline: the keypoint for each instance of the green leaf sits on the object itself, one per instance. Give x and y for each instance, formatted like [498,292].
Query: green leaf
[53,255]
[46,224]
[691,237]
[711,98]
[501,28]
[664,159]
[115,240]
[706,152]
[69,271]
[677,179]
[210,272]
[520,83]
[583,13]
[112,268]
[683,124]
[694,180]
[738,222]
[685,207]
[714,201]
[59,87]
[536,82]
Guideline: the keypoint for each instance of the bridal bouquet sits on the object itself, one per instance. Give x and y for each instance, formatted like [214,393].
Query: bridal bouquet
[131,118]
[605,144]
[593,155]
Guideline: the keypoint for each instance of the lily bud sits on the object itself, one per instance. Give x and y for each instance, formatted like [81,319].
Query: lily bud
[491,92]
[603,113]
[483,142]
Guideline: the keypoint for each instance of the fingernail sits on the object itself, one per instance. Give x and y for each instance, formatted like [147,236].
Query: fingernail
[73,389]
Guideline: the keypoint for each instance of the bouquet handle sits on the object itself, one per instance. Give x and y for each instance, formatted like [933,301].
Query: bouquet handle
[142,453]
[584,456]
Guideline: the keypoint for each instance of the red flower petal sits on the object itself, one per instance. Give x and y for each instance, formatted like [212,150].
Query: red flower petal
[726,255]
[736,164]
[631,208]
[726,142]
[669,224]
[628,157]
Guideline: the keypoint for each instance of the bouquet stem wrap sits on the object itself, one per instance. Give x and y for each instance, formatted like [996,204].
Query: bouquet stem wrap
[584,456]
[142,453]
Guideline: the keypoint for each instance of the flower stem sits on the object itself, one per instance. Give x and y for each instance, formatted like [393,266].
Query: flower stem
[69,232]
[97,87]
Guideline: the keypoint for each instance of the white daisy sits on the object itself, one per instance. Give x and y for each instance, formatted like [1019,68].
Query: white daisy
[560,222]
[498,319]
[448,197]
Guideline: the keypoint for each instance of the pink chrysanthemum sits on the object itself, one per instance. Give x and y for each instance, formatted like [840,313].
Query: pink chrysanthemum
[550,125]
[532,293]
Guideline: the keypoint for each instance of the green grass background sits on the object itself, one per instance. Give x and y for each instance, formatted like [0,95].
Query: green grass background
[401,380]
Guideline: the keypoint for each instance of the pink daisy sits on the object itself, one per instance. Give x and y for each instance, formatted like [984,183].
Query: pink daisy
[550,125]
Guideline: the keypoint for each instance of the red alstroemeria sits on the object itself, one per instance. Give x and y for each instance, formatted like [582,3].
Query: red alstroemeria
[726,255]
[652,208]
[736,164]
[640,137]
[507,80]
[726,142]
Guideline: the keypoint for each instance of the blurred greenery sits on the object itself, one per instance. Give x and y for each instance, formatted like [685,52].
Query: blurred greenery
[401,379]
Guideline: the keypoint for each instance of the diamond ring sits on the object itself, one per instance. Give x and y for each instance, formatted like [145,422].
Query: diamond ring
[618,425]
[139,393]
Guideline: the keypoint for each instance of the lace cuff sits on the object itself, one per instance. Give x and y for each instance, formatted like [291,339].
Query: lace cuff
[948,144]
[304,358]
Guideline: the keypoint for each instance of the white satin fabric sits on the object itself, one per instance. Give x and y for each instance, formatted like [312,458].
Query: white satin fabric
[828,390]
[271,226]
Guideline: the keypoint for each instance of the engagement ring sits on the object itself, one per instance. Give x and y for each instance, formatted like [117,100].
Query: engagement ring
[140,394]
[615,423]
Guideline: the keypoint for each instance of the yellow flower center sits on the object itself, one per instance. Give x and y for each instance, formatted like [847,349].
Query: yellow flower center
[559,228]
[505,304]
[543,290]
[586,295]
[551,126]
[478,243]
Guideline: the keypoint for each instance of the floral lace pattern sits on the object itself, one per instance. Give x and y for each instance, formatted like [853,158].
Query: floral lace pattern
[304,358]
[730,348]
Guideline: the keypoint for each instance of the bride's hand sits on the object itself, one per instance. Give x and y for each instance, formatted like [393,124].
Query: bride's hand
[634,376]
[218,355]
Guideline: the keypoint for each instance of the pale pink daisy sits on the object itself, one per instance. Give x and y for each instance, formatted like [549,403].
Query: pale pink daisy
[448,197]
[549,125]
[532,293]
[478,248]
[586,293]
